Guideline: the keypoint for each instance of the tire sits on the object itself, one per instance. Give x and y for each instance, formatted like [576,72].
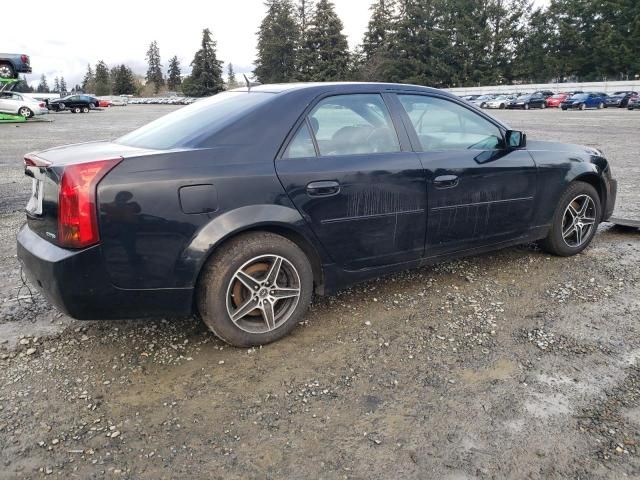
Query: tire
[564,109]
[502,106]
[25,112]
[526,106]
[92,106]
[600,106]
[583,106]
[220,294]
[543,105]
[85,109]
[76,110]
[61,107]
[7,71]
[561,240]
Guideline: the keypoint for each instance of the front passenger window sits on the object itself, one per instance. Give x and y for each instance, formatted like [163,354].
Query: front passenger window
[444,125]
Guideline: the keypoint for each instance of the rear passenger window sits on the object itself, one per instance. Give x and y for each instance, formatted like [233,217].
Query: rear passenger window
[302,145]
[353,124]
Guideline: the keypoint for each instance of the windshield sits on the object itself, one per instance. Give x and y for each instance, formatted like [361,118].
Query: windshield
[523,97]
[184,127]
[580,96]
[559,95]
[502,97]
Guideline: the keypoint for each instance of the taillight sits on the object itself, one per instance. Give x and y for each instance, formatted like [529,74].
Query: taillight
[41,105]
[77,212]
[24,59]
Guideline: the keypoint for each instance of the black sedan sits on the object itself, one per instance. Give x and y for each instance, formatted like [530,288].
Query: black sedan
[619,99]
[525,102]
[74,103]
[240,206]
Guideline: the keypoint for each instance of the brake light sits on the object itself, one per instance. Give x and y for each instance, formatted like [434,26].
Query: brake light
[24,59]
[77,212]
[41,105]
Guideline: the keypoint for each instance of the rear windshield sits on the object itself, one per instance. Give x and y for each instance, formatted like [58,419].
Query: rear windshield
[189,125]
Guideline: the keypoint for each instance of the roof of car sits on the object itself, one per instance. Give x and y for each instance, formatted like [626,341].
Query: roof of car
[333,86]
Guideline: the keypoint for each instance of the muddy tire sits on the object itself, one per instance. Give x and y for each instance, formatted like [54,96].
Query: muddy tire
[575,221]
[255,289]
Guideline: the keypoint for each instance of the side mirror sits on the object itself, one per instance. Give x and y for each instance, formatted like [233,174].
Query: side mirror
[515,139]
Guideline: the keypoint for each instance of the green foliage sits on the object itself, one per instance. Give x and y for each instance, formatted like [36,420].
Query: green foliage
[56,85]
[102,79]
[206,73]
[154,70]
[231,77]
[174,78]
[123,81]
[278,37]
[43,87]
[325,52]
[89,81]
[63,85]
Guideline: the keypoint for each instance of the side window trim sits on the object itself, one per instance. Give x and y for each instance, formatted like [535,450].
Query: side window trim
[312,134]
[408,124]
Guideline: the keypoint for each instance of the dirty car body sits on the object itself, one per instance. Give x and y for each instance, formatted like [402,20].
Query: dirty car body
[366,179]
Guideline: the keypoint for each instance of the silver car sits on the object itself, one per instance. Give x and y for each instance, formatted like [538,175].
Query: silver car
[500,102]
[19,104]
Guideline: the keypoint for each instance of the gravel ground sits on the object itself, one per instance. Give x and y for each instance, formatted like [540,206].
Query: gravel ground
[508,365]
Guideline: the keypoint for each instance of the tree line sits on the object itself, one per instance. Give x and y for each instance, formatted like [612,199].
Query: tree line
[451,43]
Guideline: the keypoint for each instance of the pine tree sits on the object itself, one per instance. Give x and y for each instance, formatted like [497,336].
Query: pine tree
[43,87]
[231,77]
[206,73]
[56,85]
[369,61]
[102,79]
[63,85]
[326,49]
[123,81]
[89,81]
[277,42]
[174,78]
[154,70]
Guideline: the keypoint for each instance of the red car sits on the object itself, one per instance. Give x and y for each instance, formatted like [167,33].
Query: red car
[557,99]
[104,103]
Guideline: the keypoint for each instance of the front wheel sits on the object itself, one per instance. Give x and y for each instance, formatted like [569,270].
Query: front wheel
[583,106]
[25,112]
[600,106]
[85,109]
[543,105]
[255,289]
[575,220]
[76,110]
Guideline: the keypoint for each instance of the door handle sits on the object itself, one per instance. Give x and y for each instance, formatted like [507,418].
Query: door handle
[323,188]
[446,181]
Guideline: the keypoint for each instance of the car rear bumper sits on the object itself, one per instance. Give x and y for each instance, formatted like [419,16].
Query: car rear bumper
[76,282]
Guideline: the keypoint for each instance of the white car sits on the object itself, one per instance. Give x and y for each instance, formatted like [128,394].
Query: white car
[19,104]
[500,102]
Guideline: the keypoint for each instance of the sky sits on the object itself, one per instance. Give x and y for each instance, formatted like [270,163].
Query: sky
[122,32]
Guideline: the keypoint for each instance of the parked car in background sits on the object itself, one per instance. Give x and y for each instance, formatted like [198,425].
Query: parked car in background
[20,104]
[104,103]
[534,100]
[544,93]
[619,99]
[12,64]
[242,205]
[74,103]
[582,101]
[468,98]
[482,100]
[500,102]
[634,102]
[555,100]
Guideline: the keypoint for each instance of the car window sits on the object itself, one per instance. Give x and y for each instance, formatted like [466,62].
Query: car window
[444,125]
[302,145]
[353,124]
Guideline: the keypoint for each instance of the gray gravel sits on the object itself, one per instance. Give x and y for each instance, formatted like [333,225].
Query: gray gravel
[508,365]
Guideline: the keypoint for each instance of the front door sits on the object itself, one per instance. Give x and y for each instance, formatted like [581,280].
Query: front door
[479,192]
[346,173]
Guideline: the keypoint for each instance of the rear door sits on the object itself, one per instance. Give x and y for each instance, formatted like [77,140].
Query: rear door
[479,192]
[348,171]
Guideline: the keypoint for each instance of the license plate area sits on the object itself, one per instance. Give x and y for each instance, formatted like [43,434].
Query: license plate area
[34,206]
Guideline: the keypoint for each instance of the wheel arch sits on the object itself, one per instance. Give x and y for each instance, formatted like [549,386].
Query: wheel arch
[596,182]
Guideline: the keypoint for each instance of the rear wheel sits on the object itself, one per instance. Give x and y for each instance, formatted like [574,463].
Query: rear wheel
[583,106]
[92,106]
[543,105]
[600,106]
[6,70]
[526,106]
[255,289]
[25,112]
[575,220]
[85,109]
[76,110]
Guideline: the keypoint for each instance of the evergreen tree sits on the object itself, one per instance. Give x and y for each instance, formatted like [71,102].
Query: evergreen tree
[326,52]
[43,87]
[231,77]
[277,42]
[63,85]
[154,70]
[174,78]
[102,79]
[56,85]
[369,61]
[206,72]
[89,81]
[304,13]
[123,81]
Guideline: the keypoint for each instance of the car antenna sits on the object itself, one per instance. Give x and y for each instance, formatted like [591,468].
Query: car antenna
[250,83]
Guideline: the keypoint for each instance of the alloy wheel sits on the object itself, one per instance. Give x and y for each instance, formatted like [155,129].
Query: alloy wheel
[263,294]
[578,221]
[25,112]
[5,71]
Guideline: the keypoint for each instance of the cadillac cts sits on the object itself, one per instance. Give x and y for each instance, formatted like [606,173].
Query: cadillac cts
[242,205]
